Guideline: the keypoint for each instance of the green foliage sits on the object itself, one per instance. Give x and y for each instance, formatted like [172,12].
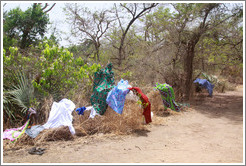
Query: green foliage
[211,78]
[18,98]
[12,62]
[85,49]
[24,27]
[61,72]
[51,70]
[126,75]
[219,84]
[23,93]
[7,111]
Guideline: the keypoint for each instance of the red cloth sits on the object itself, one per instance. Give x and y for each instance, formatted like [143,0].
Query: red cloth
[144,99]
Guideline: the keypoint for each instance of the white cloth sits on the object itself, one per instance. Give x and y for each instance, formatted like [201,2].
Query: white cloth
[93,111]
[61,115]
[131,96]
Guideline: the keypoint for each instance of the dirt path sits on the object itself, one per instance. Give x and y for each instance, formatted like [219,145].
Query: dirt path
[210,132]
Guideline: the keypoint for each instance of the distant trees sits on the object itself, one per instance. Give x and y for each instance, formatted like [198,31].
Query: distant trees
[25,27]
[136,11]
[185,28]
[94,26]
[88,25]
[176,40]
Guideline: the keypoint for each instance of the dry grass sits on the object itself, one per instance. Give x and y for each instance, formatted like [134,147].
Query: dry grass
[43,112]
[110,122]
[157,106]
[55,134]
[130,121]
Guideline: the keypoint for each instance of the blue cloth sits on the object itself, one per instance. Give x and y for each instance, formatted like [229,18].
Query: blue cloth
[117,96]
[206,84]
[34,131]
[81,110]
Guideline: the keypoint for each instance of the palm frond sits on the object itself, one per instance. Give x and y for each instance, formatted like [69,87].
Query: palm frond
[22,93]
[6,106]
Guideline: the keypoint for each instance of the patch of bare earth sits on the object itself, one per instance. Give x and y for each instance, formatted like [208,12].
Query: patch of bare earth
[211,131]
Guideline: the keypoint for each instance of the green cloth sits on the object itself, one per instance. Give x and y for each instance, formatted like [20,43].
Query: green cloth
[168,96]
[103,83]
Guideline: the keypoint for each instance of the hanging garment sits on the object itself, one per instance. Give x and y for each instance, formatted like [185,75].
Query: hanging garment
[93,111]
[145,102]
[205,84]
[103,83]
[34,131]
[168,96]
[117,96]
[131,96]
[15,133]
[81,110]
[61,115]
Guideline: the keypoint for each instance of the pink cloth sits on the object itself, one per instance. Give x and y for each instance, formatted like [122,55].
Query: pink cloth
[14,133]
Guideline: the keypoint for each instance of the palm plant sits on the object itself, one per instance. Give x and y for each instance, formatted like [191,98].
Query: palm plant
[7,105]
[21,94]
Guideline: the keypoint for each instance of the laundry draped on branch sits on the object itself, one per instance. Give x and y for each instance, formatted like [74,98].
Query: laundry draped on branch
[205,84]
[103,83]
[168,96]
[117,96]
[61,115]
[14,133]
[145,102]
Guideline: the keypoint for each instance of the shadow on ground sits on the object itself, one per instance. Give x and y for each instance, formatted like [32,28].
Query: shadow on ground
[141,132]
[227,105]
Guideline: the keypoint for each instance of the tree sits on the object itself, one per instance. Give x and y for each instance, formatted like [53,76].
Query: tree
[88,25]
[186,26]
[135,11]
[25,26]
[207,18]
[222,48]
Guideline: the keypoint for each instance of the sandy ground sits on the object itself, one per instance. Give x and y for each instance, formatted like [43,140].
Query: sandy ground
[211,131]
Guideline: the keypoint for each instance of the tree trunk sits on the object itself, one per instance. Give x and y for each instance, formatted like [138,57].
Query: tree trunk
[121,50]
[24,40]
[97,55]
[188,69]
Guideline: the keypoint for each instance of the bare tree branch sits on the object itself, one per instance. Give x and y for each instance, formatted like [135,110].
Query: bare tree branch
[50,8]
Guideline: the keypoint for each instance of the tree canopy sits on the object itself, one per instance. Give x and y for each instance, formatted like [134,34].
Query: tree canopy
[25,27]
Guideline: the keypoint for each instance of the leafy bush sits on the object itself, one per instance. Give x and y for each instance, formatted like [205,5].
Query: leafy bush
[45,69]
[60,72]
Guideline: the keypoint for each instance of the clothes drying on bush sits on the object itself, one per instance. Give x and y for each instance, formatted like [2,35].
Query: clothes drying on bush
[90,108]
[205,84]
[168,96]
[103,83]
[34,131]
[61,115]
[81,110]
[130,96]
[93,111]
[145,102]
[15,133]
[117,96]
